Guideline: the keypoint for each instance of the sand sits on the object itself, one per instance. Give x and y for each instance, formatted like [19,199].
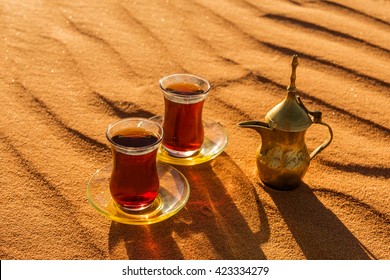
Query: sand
[70,68]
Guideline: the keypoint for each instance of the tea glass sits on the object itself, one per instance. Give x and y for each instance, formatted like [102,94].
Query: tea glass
[134,181]
[184,96]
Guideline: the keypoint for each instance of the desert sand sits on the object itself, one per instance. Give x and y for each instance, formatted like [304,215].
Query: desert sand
[70,68]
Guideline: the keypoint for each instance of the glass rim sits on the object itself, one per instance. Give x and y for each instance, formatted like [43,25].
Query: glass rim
[136,150]
[208,86]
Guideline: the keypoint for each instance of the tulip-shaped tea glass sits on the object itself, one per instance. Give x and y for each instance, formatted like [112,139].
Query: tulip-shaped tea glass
[134,181]
[184,96]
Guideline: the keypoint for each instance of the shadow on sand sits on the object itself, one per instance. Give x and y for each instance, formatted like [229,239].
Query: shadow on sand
[317,230]
[210,213]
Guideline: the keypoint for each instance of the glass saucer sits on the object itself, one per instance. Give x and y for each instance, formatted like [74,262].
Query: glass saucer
[215,141]
[173,195]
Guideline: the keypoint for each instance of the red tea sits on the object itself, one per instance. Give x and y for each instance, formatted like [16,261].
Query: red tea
[134,180]
[183,127]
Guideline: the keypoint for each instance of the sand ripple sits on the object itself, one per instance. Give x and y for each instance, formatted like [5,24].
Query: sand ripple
[69,68]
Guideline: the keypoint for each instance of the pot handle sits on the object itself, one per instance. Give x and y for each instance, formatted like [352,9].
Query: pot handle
[317,118]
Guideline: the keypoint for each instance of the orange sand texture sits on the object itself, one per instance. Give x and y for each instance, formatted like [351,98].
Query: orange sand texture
[70,68]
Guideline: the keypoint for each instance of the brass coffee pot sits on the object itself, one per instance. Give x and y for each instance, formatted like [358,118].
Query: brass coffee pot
[283,158]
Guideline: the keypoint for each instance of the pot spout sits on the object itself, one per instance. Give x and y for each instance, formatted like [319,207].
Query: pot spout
[259,126]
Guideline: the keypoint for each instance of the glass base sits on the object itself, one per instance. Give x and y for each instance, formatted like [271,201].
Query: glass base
[172,196]
[180,154]
[133,210]
[215,141]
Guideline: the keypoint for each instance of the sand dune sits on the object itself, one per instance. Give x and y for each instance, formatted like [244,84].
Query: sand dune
[70,68]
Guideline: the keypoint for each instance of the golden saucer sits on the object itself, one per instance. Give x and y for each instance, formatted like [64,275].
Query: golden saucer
[215,142]
[173,195]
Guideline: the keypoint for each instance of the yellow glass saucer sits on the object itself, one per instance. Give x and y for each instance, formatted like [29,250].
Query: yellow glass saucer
[215,141]
[173,195]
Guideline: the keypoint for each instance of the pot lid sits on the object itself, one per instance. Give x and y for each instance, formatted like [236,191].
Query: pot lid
[290,114]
